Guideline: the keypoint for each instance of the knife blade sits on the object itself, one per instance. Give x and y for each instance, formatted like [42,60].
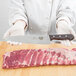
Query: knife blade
[33,39]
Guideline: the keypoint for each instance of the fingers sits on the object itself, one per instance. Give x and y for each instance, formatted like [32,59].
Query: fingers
[73,42]
[7,34]
[14,43]
[66,43]
[14,31]
[18,32]
[73,33]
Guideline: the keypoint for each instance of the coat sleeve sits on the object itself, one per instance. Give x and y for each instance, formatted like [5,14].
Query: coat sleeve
[17,11]
[65,12]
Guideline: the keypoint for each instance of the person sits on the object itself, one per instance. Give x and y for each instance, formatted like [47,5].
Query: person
[39,16]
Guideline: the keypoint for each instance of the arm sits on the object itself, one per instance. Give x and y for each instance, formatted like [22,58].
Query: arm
[17,12]
[18,18]
[65,13]
[65,19]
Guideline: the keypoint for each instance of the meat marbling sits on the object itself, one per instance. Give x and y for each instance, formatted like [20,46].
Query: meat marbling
[38,57]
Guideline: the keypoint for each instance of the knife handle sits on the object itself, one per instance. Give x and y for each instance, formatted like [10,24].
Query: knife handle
[62,37]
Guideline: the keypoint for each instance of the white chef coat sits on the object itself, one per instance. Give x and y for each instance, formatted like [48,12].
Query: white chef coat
[40,15]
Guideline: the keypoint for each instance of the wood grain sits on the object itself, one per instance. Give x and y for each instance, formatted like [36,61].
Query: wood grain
[35,71]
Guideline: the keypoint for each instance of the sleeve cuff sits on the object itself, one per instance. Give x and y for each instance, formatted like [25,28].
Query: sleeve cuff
[13,21]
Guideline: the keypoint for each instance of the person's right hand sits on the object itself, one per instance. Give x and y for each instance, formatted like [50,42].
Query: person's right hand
[63,27]
[18,29]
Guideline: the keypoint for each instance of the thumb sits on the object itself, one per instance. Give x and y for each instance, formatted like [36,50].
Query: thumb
[7,34]
[73,33]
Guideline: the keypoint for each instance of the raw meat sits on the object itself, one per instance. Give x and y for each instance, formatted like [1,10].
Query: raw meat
[38,57]
[74,49]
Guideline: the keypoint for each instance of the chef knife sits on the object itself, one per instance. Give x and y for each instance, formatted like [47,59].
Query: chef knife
[40,39]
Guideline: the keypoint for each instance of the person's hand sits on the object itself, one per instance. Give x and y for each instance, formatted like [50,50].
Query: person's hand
[64,28]
[18,29]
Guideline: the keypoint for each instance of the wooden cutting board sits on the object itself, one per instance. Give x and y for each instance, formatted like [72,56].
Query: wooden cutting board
[35,71]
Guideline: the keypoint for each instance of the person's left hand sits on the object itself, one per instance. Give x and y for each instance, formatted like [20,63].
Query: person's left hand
[18,29]
[63,27]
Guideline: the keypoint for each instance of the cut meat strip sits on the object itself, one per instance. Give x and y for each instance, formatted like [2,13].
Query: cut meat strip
[38,57]
[61,59]
[73,61]
[52,54]
[54,59]
[38,51]
[46,58]
[34,58]
[28,58]
[23,55]
[67,61]
[74,49]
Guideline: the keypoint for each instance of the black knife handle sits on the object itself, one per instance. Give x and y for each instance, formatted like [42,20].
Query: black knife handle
[62,37]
